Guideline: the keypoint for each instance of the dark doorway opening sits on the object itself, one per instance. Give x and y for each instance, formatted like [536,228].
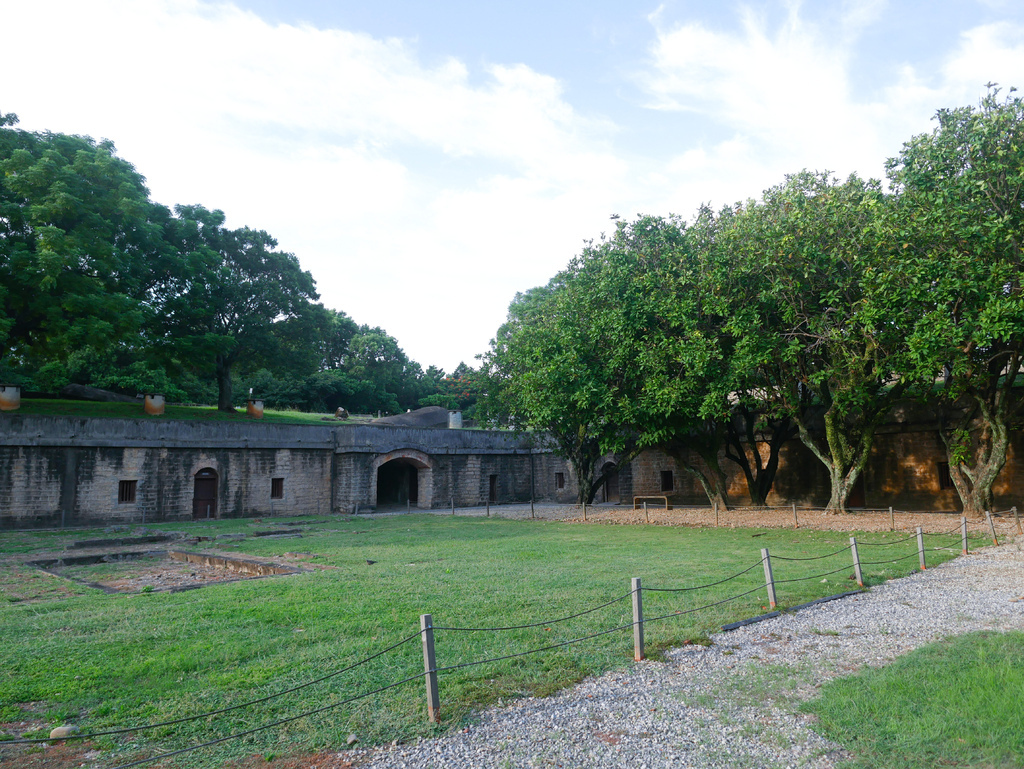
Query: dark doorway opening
[492,488]
[397,483]
[204,498]
[611,483]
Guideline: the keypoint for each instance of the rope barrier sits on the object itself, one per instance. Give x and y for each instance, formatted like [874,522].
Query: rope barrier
[536,624]
[246,733]
[699,608]
[883,563]
[186,719]
[531,651]
[701,587]
[812,558]
[813,576]
[894,542]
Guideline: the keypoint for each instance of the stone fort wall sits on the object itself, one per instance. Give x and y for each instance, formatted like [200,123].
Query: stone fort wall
[74,472]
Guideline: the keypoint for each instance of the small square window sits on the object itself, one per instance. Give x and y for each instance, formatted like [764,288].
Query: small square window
[667,481]
[559,480]
[126,491]
[945,479]
[277,488]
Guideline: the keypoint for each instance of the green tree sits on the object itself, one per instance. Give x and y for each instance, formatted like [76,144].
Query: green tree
[81,245]
[961,232]
[804,319]
[229,294]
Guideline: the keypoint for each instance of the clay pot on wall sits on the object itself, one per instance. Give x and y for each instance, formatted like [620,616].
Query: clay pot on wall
[10,397]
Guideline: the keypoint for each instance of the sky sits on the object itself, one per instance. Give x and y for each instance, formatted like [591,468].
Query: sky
[427,161]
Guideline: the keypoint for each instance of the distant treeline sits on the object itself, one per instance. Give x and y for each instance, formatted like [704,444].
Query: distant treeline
[100,285]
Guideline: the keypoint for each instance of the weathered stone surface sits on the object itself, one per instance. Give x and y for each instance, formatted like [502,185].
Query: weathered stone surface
[86,393]
[430,416]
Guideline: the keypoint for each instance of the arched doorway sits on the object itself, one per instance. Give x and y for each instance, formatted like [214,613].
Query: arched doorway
[204,497]
[401,478]
[610,490]
[397,483]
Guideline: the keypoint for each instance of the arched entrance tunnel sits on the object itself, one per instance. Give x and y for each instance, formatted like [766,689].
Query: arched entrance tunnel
[398,483]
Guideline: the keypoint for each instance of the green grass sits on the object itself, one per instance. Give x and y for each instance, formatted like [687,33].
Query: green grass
[89,409]
[955,703]
[113,660]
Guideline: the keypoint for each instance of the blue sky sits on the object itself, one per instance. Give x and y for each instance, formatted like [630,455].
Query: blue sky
[426,161]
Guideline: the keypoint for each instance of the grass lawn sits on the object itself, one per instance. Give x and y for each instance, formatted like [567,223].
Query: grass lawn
[75,408]
[105,661]
[953,703]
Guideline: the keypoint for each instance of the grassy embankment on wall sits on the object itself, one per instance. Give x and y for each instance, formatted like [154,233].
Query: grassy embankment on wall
[104,661]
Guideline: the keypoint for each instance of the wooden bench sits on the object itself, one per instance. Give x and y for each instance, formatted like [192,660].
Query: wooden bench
[638,501]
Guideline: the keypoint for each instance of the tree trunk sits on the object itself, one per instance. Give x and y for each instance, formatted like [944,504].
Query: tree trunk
[761,476]
[843,461]
[224,384]
[974,468]
[709,473]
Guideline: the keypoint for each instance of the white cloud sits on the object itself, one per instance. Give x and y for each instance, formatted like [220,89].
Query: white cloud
[781,99]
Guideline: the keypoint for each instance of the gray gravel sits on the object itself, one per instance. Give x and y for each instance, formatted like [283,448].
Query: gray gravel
[735,703]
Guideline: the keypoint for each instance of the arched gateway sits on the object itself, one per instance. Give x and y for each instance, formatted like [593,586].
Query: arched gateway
[402,477]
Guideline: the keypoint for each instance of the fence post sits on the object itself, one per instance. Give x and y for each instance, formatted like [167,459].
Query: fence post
[715,504]
[647,515]
[856,561]
[453,505]
[796,522]
[1016,517]
[430,668]
[992,527]
[768,579]
[531,508]
[488,505]
[892,520]
[638,621]
[920,547]
[408,505]
[963,533]
[584,510]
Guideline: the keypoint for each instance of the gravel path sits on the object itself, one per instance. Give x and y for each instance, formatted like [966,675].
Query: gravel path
[733,704]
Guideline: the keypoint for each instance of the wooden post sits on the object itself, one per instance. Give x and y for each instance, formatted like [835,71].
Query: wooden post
[647,515]
[856,561]
[920,548]
[584,510]
[1016,517]
[768,579]
[453,505]
[992,527]
[638,621]
[488,505]
[715,505]
[408,505]
[430,668]
[796,522]
[892,520]
[963,533]
[531,508]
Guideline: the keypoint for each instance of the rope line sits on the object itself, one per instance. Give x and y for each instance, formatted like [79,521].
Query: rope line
[531,651]
[895,560]
[814,576]
[894,542]
[246,733]
[700,587]
[186,719]
[812,558]
[699,608]
[537,624]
